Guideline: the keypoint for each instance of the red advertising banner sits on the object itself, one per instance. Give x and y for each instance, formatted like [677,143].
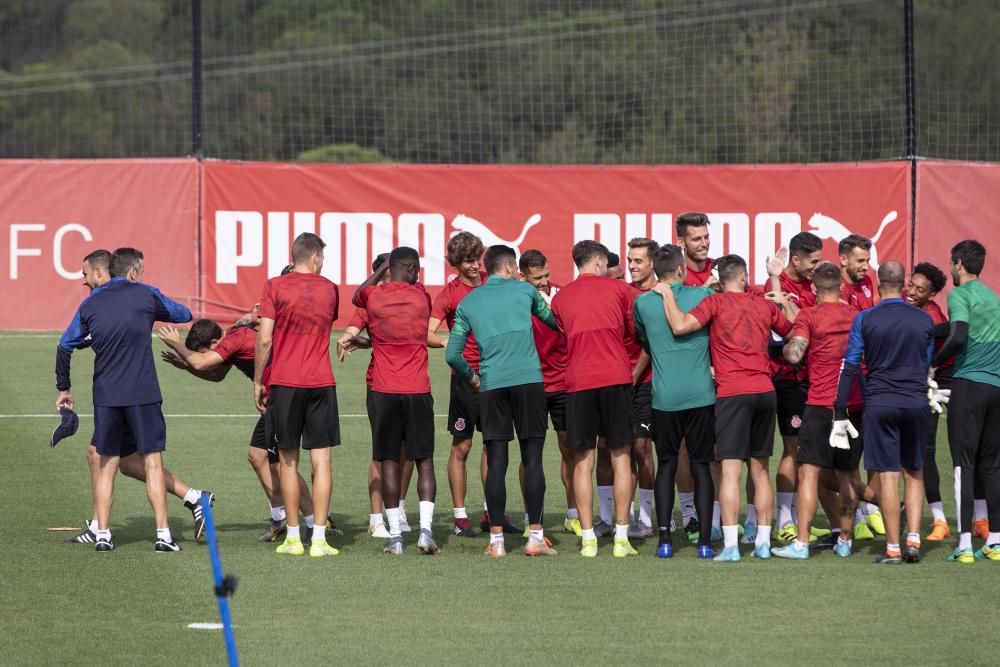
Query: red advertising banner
[252,211]
[957,201]
[53,213]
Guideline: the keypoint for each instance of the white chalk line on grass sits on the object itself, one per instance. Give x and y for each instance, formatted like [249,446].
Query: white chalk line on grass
[55,415]
[205,626]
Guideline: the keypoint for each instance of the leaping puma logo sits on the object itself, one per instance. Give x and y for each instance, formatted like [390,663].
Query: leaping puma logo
[463,223]
[826,227]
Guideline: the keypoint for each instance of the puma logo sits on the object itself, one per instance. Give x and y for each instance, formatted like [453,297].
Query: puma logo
[463,223]
[826,227]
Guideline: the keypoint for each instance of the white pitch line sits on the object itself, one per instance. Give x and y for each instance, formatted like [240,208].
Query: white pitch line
[55,415]
[30,336]
[205,626]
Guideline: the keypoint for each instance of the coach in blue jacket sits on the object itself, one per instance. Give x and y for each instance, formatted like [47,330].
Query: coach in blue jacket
[116,321]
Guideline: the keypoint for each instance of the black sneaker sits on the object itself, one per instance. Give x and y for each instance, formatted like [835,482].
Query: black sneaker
[911,554]
[331,527]
[887,559]
[693,529]
[305,535]
[826,542]
[163,546]
[104,545]
[198,513]
[272,531]
[86,537]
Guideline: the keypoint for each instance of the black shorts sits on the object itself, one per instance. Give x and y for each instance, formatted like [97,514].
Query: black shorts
[814,440]
[695,426]
[463,409]
[125,430]
[790,397]
[555,404]
[642,411]
[306,415]
[605,411]
[520,408]
[263,438]
[396,418]
[744,426]
[974,424]
[895,438]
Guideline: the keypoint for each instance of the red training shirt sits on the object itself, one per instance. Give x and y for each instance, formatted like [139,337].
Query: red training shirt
[551,346]
[937,317]
[695,278]
[594,314]
[359,320]
[444,307]
[826,327]
[303,307]
[632,342]
[239,348]
[398,313]
[802,294]
[861,296]
[741,328]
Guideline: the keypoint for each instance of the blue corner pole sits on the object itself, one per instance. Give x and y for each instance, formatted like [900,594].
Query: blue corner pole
[224,585]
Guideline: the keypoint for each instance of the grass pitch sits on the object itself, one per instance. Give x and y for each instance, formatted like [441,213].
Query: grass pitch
[66,604]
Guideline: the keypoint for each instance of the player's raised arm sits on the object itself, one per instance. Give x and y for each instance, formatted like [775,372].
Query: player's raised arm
[168,310]
[374,279]
[541,310]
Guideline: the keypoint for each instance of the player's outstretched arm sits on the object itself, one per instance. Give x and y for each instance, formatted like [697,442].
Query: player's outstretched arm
[795,349]
[168,310]
[681,323]
[433,339]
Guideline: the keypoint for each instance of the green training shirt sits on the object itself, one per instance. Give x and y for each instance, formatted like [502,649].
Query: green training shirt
[682,374]
[498,315]
[977,305]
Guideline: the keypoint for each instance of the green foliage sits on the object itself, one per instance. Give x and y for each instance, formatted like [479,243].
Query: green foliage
[341,153]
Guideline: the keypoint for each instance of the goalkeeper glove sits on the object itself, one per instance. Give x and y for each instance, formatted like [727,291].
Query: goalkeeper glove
[937,397]
[838,436]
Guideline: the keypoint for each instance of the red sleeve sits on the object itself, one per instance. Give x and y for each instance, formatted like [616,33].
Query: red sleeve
[441,305]
[336,301]
[706,310]
[360,299]
[800,329]
[228,347]
[267,306]
[359,320]
[628,294]
[779,322]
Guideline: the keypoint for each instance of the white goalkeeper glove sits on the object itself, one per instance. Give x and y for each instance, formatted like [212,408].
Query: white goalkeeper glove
[838,436]
[937,397]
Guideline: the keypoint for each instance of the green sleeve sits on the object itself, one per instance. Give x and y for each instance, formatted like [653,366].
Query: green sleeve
[541,310]
[457,338]
[640,329]
[958,308]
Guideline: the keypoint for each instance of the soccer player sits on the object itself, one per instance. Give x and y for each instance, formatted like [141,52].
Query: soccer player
[511,388]
[551,346]
[400,405]
[683,397]
[745,403]
[209,353]
[96,272]
[594,311]
[791,382]
[118,318]
[897,342]
[823,331]
[640,267]
[693,237]
[974,410]
[297,311]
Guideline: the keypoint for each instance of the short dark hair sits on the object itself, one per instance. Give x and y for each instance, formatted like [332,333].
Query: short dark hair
[496,256]
[892,274]
[124,259]
[403,256]
[804,244]
[650,245]
[666,260]
[532,259]
[686,220]
[585,251]
[827,277]
[201,335]
[288,269]
[613,260]
[933,274]
[972,255]
[99,259]
[730,267]
[852,241]
[305,246]
[464,247]
[382,258]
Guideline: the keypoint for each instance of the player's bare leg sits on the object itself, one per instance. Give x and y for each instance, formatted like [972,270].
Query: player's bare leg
[605,488]
[322,489]
[566,467]
[457,475]
[257,458]
[621,463]
[890,510]
[913,495]
[156,489]
[785,481]
[645,475]
[583,489]
[809,483]
[289,478]
[104,490]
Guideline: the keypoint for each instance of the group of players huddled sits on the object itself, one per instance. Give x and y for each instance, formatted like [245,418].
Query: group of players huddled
[688,359]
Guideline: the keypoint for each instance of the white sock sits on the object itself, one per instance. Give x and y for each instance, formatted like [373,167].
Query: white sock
[849,542]
[426,514]
[460,513]
[621,530]
[937,511]
[164,534]
[485,508]
[402,505]
[784,508]
[277,513]
[631,512]
[526,519]
[319,533]
[751,514]
[993,538]
[537,536]
[292,532]
[605,498]
[965,541]
[375,519]
[801,545]
[392,513]
[646,507]
[310,521]
[763,535]
[716,515]
[980,505]
[91,524]
[572,513]
[687,506]
[913,538]
[103,534]
[496,538]
[869,509]
[588,534]
[192,496]
[730,534]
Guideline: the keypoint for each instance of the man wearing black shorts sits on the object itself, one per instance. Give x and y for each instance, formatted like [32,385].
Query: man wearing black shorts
[594,313]
[297,311]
